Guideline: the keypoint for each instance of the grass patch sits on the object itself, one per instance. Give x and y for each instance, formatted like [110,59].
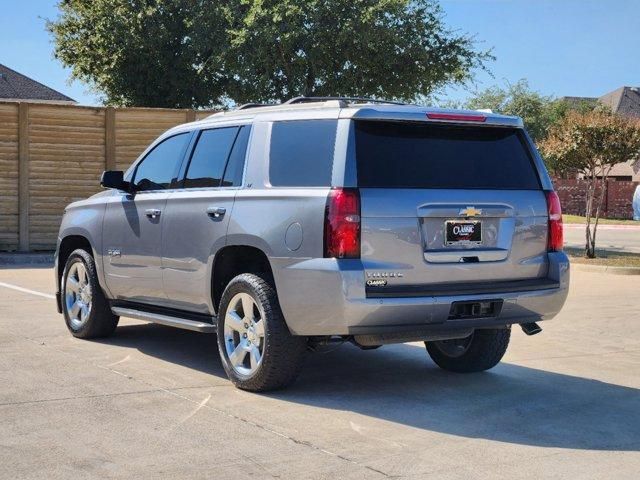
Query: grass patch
[604,257]
[602,221]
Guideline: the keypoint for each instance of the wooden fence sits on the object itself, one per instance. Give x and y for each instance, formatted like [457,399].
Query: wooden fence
[51,155]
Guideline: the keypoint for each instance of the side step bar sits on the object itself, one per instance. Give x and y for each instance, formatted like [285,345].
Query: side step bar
[168,320]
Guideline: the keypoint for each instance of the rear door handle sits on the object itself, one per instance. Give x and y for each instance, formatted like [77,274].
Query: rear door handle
[152,212]
[216,212]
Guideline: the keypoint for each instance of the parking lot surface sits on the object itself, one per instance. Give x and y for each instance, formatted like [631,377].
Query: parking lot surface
[153,402]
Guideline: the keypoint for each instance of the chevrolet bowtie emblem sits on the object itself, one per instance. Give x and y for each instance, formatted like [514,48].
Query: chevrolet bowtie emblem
[470,212]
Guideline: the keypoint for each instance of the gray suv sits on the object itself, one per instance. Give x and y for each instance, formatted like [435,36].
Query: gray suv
[283,228]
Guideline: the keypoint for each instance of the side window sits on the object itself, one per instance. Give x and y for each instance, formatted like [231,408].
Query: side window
[209,158]
[157,170]
[301,153]
[235,166]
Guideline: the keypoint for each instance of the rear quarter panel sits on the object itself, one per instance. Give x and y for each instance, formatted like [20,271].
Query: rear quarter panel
[286,223]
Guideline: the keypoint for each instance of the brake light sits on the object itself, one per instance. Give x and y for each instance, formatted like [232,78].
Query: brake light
[342,224]
[457,117]
[555,241]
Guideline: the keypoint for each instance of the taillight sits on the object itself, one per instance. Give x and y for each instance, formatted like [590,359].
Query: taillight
[555,241]
[342,224]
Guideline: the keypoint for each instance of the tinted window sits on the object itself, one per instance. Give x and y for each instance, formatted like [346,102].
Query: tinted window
[235,166]
[301,153]
[157,170]
[411,155]
[210,157]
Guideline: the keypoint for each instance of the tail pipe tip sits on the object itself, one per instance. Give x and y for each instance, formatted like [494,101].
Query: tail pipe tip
[531,328]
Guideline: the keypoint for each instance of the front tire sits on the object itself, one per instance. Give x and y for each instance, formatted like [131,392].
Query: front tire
[257,350]
[482,350]
[84,307]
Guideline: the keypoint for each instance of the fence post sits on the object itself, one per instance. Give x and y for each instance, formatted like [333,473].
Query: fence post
[191,116]
[23,177]
[110,138]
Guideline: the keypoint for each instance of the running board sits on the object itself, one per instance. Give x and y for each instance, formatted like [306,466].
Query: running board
[168,320]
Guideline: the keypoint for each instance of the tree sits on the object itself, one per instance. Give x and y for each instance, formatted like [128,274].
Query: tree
[517,99]
[193,53]
[395,48]
[537,111]
[591,143]
[161,53]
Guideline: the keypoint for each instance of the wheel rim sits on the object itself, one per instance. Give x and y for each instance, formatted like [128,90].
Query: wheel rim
[244,334]
[77,294]
[455,347]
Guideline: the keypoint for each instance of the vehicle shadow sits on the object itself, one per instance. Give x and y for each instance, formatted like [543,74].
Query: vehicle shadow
[399,383]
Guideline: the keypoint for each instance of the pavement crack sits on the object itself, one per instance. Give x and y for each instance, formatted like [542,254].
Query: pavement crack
[246,421]
[77,397]
[83,397]
[290,438]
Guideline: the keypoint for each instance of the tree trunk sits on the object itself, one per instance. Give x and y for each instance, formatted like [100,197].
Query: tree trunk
[588,252]
[603,192]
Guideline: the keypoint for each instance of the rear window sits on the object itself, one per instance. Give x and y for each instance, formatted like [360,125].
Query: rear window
[301,153]
[421,155]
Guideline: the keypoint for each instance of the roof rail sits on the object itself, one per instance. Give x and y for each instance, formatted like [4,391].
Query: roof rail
[304,99]
[253,105]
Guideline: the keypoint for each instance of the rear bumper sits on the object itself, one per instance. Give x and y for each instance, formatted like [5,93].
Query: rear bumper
[328,297]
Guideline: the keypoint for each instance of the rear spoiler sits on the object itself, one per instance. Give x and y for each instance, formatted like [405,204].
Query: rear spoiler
[417,114]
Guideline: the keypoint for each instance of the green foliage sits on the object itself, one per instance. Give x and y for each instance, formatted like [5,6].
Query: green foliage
[537,111]
[591,143]
[393,48]
[144,52]
[193,53]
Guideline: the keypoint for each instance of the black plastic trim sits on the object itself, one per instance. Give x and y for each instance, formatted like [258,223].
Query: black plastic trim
[470,288]
[448,326]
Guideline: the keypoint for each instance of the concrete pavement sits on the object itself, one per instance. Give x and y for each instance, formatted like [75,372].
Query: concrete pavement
[153,402]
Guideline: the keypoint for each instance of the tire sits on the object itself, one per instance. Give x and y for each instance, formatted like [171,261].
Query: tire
[257,350]
[86,310]
[479,352]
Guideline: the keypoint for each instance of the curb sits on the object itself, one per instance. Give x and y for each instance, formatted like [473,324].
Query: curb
[17,259]
[605,269]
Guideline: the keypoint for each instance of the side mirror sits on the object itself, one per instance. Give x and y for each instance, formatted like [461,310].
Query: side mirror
[114,179]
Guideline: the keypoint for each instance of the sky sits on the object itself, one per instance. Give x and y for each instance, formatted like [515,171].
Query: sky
[563,47]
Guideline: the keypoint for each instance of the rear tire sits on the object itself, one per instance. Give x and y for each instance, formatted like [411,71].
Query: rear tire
[257,350]
[479,352]
[85,309]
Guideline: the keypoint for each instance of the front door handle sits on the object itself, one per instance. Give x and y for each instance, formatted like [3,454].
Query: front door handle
[216,212]
[152,213]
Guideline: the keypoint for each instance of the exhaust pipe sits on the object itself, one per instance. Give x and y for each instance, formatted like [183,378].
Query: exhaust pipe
[531,328]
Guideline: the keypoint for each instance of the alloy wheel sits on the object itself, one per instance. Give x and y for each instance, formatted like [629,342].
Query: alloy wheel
[244,334]
[77,295]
